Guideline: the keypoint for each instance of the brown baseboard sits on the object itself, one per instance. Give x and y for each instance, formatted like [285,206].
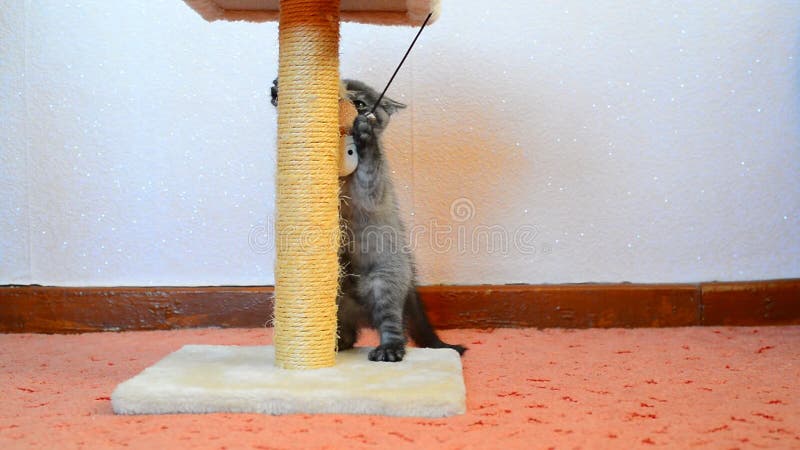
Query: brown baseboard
[758,303]
[41,309]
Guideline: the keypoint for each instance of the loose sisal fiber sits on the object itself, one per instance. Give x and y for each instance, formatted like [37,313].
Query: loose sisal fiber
[307,205]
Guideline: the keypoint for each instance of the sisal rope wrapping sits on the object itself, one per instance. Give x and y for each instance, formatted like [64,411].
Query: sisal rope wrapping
[307,205]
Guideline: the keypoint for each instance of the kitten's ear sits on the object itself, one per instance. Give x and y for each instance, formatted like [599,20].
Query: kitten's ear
[391,106]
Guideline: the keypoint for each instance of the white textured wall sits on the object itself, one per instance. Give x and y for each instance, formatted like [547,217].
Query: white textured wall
[631,142]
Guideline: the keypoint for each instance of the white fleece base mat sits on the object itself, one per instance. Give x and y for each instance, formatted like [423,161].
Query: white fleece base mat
[225,378]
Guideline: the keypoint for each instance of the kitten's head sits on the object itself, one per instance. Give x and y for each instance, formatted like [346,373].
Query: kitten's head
[364,97]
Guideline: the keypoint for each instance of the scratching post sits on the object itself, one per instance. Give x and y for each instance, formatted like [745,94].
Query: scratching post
[208,378]
[307,225]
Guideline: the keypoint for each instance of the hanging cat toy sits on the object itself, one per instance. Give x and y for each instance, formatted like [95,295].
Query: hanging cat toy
[348,158]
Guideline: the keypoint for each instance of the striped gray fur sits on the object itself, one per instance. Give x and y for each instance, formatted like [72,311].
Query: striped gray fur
[378,277]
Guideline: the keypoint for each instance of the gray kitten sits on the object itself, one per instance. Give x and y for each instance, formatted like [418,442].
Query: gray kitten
[377,285]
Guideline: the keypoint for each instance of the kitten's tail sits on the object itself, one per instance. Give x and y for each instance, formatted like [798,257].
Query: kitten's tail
[420,328]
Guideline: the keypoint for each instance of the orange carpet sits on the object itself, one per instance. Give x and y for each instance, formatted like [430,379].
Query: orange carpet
[672,388]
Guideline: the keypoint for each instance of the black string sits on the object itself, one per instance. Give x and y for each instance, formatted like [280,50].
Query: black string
[401,63]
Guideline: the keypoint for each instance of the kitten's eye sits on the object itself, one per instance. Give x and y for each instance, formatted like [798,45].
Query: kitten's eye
[359,104]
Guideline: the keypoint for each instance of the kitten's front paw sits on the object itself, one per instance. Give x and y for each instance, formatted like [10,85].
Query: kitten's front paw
[363,132]
[392,352]
[274,92]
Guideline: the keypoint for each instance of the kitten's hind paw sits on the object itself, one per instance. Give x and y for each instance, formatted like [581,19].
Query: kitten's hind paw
[346,341]
[392,352]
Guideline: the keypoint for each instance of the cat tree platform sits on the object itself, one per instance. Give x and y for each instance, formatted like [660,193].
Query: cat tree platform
[383,12]
[233,379]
